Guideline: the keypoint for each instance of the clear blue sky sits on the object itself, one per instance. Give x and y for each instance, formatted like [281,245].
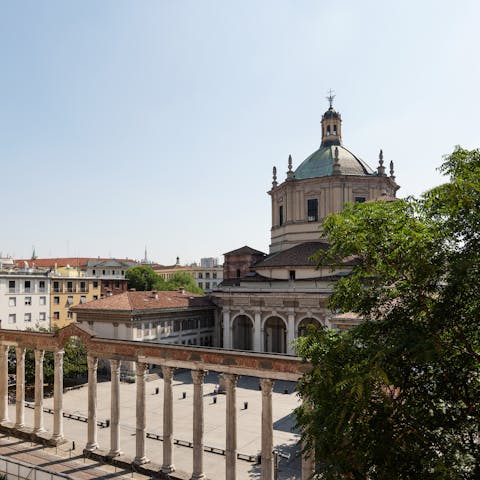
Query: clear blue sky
[125,123]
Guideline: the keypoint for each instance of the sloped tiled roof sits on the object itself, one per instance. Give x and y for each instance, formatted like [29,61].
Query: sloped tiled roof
[135,301]
[245,250]
[60,262]
[299,255]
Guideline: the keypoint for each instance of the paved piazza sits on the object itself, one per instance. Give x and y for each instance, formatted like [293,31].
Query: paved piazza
[249,422]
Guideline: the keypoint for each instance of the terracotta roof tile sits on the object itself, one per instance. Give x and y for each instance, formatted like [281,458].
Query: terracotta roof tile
[130,301]
[245,250]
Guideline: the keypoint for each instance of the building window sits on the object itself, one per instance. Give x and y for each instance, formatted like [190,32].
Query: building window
[117,284]
[113,272]
[28,300]
[83,299]
[207,275]
[43,300]
[41,286]
[95,297]
[69,315]
[56,315]
[11,286]
[359,199]
[56,300]
[83,286]
[70,300]
[238,273]
[214,284]
[12,302]
[200,275]
[56,287]
[27,317]
[70,287]
[123,272]
[103,272]
[280,215]
[214,275]
[292,274]
[95,284]
[27,286]
[207,285]
[93,272]
[200,284]
[42,316]
[12,318]
[312,210]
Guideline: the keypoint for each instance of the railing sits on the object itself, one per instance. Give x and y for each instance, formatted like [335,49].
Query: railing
[17,470]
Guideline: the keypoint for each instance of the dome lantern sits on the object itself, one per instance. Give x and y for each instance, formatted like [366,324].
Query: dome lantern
[331,125]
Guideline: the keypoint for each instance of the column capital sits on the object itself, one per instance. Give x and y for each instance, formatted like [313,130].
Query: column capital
[141,368]
[19,351]
[198,376]
[267,385]
[114,365]
[3,350]
[230,379]
[167,373]
[92,362]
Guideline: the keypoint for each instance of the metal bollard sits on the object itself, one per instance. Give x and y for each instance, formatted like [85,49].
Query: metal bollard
[245,405]
[157,390]
[286,390]
[184,394]
[214,399]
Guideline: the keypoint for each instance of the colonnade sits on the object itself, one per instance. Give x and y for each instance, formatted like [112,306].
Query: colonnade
[198,372]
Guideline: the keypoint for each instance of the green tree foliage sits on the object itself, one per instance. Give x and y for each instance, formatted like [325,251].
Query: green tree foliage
[398,396]
[143,278]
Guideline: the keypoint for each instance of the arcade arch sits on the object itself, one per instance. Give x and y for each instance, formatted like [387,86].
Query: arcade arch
[242,332]
[275,335]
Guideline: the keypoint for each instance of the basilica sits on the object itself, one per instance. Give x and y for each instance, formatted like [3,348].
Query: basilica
[267,300]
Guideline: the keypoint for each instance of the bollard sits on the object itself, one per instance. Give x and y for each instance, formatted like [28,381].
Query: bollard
[184,395]
[107,422]
[245,405]
[259,387]
[214,399]
[157,390]
[286,390]
[73,445]
[259,459]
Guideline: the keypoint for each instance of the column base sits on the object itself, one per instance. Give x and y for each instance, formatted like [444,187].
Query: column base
[57,440]
[198,476]
[90,447]
[167,468]
[114,453]
[140,460]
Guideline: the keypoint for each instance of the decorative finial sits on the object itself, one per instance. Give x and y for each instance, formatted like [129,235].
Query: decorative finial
[380,168]
[274,183]
[392,172]
[289,171]
[336,163]
[330,97]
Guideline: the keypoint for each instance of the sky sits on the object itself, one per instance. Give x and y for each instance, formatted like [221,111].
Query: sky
[126,124]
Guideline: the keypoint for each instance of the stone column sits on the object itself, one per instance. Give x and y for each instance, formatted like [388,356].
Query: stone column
[290,333]
[167,466]
[114,408]
[231,427]
[308,465]
[197,376]
[226,329]
[58,397]
[20,388]
[38,419]
[3,383]
[267,429]
[257,336]
[92,442]
[140,456]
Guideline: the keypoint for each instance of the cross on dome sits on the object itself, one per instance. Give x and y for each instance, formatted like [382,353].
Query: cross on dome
[330,97]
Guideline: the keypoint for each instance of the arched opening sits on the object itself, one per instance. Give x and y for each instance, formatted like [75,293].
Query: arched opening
[242,333]
[303,326]
[275,335]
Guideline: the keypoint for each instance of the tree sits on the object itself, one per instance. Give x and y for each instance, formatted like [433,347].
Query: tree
[183,280]
[397,396]
[143,277]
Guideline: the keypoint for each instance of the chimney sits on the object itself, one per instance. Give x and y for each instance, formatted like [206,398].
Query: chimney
[109,293]
[182,290]
[154,294]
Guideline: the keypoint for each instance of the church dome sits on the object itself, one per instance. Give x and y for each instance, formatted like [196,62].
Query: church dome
[320,163]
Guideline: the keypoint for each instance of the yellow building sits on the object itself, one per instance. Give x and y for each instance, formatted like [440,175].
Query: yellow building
[70,287]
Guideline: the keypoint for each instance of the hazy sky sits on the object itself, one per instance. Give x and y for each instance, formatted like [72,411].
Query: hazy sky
[125,123]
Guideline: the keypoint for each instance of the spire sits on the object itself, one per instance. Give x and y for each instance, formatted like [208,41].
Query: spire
[330,98]
[380,168]
[290,174]
[145,259]
[392,172]
[274,182]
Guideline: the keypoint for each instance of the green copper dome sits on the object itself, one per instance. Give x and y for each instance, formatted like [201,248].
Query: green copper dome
[320,163]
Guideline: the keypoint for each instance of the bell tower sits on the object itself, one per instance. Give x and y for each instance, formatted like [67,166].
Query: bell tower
[331,125]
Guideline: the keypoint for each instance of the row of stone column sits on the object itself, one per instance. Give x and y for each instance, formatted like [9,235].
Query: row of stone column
[20,391]
[140,450]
